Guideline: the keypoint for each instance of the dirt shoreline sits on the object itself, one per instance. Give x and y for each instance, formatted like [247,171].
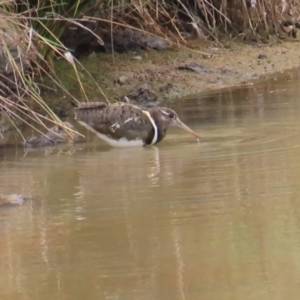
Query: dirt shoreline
[234,64]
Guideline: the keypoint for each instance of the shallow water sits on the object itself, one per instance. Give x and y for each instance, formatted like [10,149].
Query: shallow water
[218,219]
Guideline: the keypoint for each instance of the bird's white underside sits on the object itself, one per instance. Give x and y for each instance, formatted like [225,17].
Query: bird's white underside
[123,142]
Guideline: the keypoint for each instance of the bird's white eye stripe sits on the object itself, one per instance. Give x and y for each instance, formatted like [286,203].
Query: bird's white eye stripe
[164,112]
[170,113]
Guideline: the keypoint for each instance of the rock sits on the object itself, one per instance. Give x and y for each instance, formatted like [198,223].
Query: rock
[12,199]
[167,88]
[132,40]
[122,79]
[81,41]
[56,135]
[196,68]
[168,91]
[138,57]
[143,95]
[202,69]
[290,27]
[227,72]
[262,56]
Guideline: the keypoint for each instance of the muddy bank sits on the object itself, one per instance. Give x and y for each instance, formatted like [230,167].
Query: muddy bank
[182,72]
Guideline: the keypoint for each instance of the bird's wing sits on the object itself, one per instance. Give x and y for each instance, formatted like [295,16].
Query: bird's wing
[117,120]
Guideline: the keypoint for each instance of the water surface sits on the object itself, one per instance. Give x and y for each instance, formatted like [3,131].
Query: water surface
[218,219]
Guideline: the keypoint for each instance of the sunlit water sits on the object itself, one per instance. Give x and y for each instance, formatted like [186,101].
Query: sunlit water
[215,220]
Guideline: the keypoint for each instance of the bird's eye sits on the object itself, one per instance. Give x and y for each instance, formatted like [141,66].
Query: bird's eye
[171,115]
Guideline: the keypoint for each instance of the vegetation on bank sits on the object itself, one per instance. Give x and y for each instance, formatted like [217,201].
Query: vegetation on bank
[35,33]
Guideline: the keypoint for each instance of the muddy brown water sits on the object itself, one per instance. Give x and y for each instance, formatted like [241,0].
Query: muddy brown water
[218,219]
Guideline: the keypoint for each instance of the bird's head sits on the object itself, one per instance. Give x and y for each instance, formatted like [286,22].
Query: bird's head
[166,117]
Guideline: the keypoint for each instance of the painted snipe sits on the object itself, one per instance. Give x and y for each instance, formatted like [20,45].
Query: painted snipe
[124,124]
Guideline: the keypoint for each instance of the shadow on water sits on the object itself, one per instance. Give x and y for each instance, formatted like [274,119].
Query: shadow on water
[184,220]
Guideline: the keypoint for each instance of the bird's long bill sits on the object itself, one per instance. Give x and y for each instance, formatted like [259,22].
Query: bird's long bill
[187,129]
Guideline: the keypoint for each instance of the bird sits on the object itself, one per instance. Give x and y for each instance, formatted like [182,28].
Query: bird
[124,124]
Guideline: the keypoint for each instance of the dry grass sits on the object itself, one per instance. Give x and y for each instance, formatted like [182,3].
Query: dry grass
[179,19]
[29,42]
